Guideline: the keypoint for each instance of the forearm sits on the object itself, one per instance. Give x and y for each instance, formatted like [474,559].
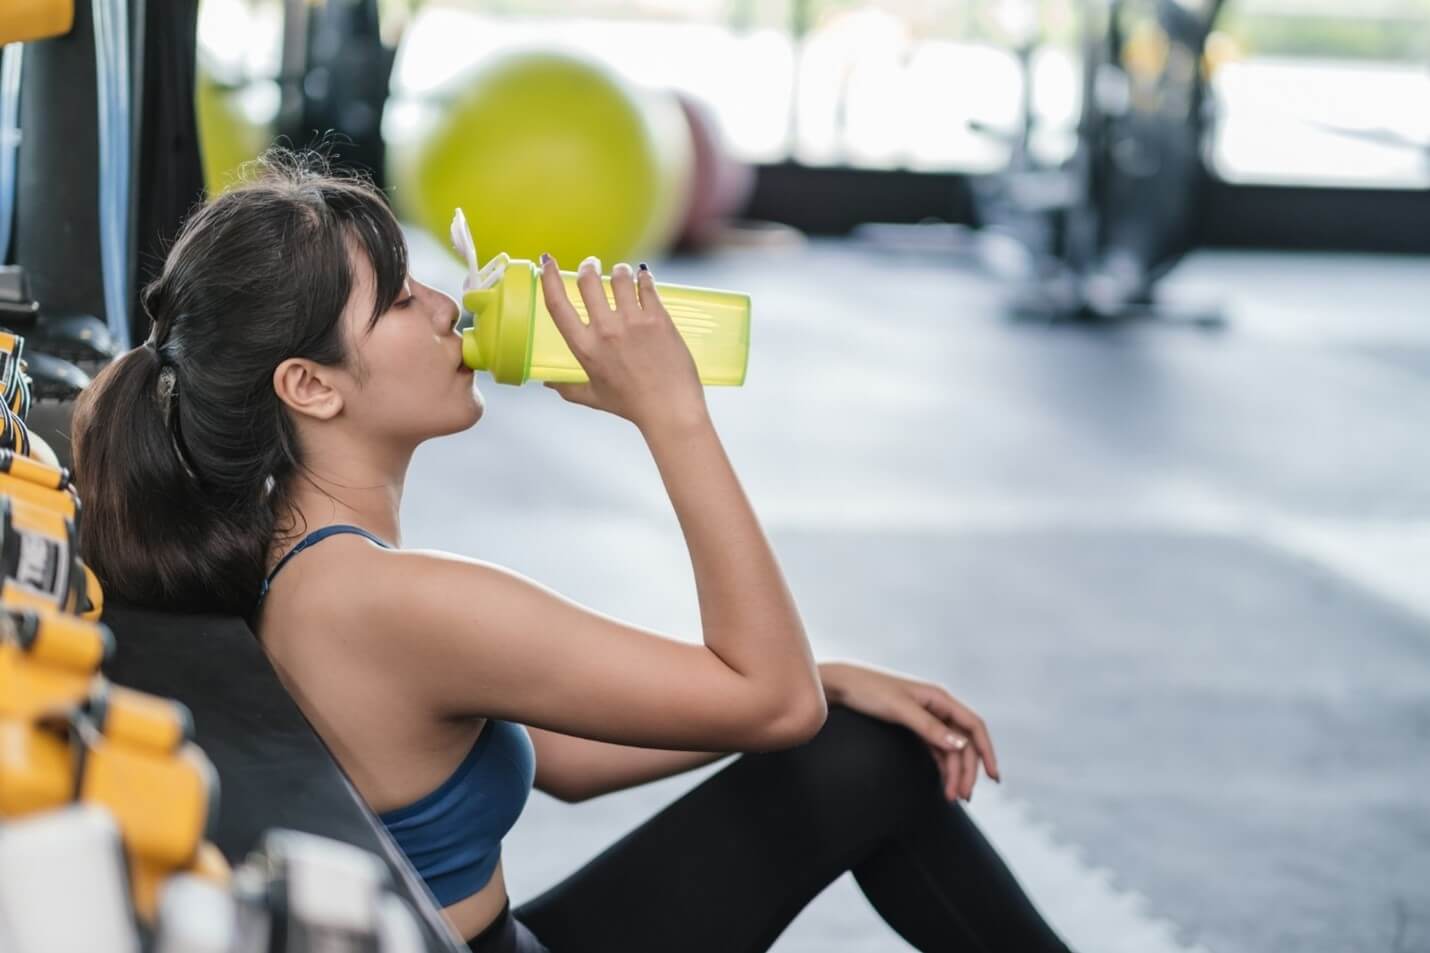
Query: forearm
[748,616]
[601,767]
[576,769]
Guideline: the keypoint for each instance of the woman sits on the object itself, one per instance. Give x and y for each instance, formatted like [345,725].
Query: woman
[293,368]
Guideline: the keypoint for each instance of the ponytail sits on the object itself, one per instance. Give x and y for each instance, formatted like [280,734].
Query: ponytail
[151,532]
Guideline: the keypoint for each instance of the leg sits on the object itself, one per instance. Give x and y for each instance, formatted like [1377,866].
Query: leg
[728,865]
[937,881]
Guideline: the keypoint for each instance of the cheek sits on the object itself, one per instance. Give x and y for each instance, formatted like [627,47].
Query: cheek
[400,360]
[409,390]
[393,385]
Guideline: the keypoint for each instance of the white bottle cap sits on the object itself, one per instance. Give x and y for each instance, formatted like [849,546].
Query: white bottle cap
[462,241]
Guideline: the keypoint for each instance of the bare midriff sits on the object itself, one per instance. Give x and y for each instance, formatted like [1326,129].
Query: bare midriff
[474,914]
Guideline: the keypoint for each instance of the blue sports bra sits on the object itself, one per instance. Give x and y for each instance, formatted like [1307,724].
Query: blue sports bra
[453,835]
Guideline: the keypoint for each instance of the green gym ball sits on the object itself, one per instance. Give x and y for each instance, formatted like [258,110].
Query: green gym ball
[549,151]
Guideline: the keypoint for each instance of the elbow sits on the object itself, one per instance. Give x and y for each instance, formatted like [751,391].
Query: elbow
[818,712]
[797,723]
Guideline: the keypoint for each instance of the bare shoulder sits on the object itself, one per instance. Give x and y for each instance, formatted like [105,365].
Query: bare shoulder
[373,591]
[407,586]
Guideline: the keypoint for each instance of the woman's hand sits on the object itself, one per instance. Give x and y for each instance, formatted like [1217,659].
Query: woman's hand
[955,735]
[638,365]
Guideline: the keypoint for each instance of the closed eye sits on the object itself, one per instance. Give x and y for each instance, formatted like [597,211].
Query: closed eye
[403,303]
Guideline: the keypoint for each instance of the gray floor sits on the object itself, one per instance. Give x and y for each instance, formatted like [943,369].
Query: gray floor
[1139,552]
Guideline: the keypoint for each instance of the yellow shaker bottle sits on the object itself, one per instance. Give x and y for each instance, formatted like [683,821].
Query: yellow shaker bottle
[514,338]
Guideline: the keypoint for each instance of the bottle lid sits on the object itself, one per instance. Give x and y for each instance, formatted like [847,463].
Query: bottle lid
[500,339]
[501,298]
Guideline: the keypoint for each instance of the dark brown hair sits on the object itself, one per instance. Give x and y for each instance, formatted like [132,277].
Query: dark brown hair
[182,516]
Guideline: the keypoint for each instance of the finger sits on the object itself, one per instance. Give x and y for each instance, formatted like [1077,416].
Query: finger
[939,739]
[969,771]
[957,766]
[955,776]
[623,288]
[558,304]
[575,393]
[593,293]
[931,728]
[645,289]
[978,734]
[968,721]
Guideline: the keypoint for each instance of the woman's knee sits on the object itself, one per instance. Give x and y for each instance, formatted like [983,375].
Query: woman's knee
[865,759]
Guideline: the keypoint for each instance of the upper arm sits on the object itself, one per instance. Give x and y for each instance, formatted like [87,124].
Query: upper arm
[477,639]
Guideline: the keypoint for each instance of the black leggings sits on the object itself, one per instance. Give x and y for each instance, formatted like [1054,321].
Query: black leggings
[728,865]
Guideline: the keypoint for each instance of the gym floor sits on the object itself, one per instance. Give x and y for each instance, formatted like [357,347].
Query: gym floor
[1179,572]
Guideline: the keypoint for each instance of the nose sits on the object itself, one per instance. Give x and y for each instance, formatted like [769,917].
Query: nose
[443,307]
[453,311]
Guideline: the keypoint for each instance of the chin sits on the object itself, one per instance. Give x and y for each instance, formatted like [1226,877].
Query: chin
[456,418]
[475,410]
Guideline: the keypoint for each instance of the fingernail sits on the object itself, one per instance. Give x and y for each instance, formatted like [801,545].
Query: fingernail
[545,258]
[952,741]
[645,267]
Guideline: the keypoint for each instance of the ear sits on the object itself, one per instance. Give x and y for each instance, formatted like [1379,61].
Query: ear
[308,388]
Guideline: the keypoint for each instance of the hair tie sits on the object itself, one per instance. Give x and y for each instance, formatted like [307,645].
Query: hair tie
[168,390]
[168,394]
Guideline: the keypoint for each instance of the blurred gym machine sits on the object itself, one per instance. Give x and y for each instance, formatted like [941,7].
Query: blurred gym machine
[1088,238]
[96,150]
[71,245]
[335,79]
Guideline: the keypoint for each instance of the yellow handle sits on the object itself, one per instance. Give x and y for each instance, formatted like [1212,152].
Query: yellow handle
[25,20]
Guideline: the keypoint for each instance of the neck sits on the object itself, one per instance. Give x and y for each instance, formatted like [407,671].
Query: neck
[360,485]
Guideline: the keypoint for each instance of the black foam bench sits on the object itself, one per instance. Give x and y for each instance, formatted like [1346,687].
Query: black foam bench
[274,770]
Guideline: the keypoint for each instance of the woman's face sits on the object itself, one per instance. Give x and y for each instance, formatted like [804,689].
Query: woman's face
[408,380]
